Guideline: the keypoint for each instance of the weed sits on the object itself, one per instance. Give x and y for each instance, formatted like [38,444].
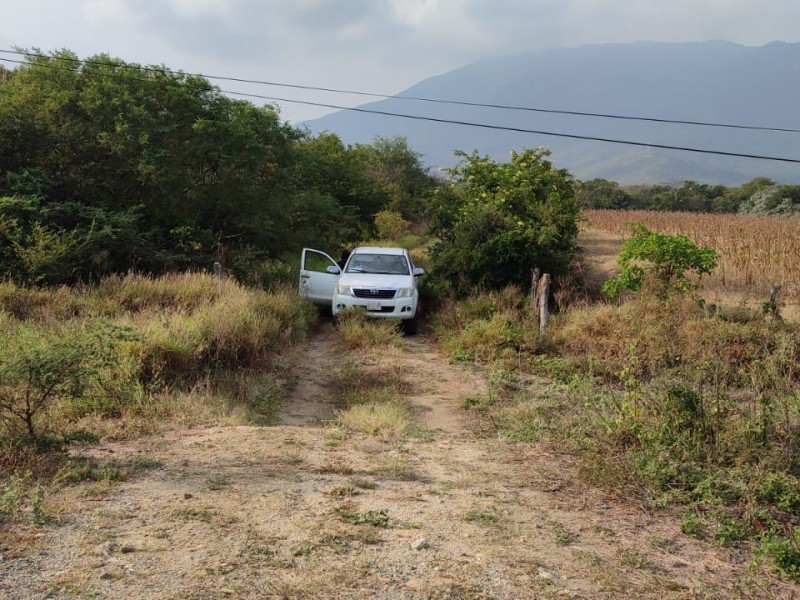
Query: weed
[376,518]
[263,550]
[75,471]
[666,544]
[694,526]
[604,531]
[385,419]
[364,484]
[525,424]
[122,342]
[304,550]
[783,552]
[343,491]
[24,498]
[358,331]
[397,468]
[364,535]
[194,514]
[482,517]
[563,535]
[218,482]
[144,463]
[632,557]
[336,468]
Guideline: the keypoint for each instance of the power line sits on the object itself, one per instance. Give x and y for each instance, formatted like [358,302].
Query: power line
[520,129]
[466,123]
[435,100]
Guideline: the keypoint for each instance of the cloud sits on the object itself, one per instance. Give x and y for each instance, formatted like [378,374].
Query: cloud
[380,45]
[107,12]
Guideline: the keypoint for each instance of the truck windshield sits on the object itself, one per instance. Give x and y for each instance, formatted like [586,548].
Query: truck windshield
[378,264]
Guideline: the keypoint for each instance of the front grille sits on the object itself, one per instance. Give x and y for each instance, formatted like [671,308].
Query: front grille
[373,293]
[384,309]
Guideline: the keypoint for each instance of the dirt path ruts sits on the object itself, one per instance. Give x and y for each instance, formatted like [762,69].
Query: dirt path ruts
[307,511]
[312,403]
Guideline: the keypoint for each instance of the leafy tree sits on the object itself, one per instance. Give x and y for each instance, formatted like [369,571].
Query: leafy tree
[665,258]
[399,172]
[108,166]
[779,200]
[601,193]
[498,220]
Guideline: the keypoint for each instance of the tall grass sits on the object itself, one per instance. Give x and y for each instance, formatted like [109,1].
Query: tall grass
[186,333]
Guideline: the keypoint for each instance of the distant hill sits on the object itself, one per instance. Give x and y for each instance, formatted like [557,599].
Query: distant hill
[704,81]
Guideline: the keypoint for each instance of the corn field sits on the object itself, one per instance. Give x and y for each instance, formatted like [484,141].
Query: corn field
[755,251]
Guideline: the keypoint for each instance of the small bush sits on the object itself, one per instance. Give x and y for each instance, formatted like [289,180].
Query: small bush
[387,419]
[39,366]
[356,330]
[391,225]
[666,259]
[783,552]
[23,498]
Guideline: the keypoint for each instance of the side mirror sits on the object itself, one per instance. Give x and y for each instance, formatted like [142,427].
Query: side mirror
[418,271]
[334,270]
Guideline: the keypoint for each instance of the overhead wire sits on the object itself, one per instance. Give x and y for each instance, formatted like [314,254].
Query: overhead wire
[427,99]
[436,119]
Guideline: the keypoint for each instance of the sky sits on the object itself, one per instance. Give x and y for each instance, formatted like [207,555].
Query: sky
[382,46]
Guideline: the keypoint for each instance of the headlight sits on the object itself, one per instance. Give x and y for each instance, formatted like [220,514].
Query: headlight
[343,290]
[405,292]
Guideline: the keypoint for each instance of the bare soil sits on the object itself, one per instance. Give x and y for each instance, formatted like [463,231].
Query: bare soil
[305,509]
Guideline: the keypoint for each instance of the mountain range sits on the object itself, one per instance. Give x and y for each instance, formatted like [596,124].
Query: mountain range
[715,82]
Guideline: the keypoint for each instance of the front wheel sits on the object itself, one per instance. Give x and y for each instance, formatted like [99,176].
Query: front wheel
[409,326]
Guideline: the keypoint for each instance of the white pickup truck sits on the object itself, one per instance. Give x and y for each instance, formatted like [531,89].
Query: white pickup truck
[382,281]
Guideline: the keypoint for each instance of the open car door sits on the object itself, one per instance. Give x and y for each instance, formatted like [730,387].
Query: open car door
[317,279]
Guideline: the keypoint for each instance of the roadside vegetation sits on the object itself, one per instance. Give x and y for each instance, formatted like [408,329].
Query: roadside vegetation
[663,399]
[667,391]
[134,355]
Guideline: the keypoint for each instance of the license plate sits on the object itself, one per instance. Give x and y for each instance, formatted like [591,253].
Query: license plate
[373,305]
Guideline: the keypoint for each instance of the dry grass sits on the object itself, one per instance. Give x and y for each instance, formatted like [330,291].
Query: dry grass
[197,350]
[755,251]
[357,331]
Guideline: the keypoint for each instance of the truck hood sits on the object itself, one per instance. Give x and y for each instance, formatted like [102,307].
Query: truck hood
[365,280]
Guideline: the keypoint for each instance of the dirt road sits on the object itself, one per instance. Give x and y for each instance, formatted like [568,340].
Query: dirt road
[307,510]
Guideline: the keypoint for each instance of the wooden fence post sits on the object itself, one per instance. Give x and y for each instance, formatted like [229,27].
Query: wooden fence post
[544,296]
[772,308]
[217,271]
[773,293]
[535,272]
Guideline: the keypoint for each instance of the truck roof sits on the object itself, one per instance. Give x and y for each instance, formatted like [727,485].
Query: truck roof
[379,250]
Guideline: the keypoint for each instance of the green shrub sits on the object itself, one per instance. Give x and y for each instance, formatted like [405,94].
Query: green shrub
[665,258]
[391,225]
[39,366]
[497,221]
[783,552]
[23,498]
